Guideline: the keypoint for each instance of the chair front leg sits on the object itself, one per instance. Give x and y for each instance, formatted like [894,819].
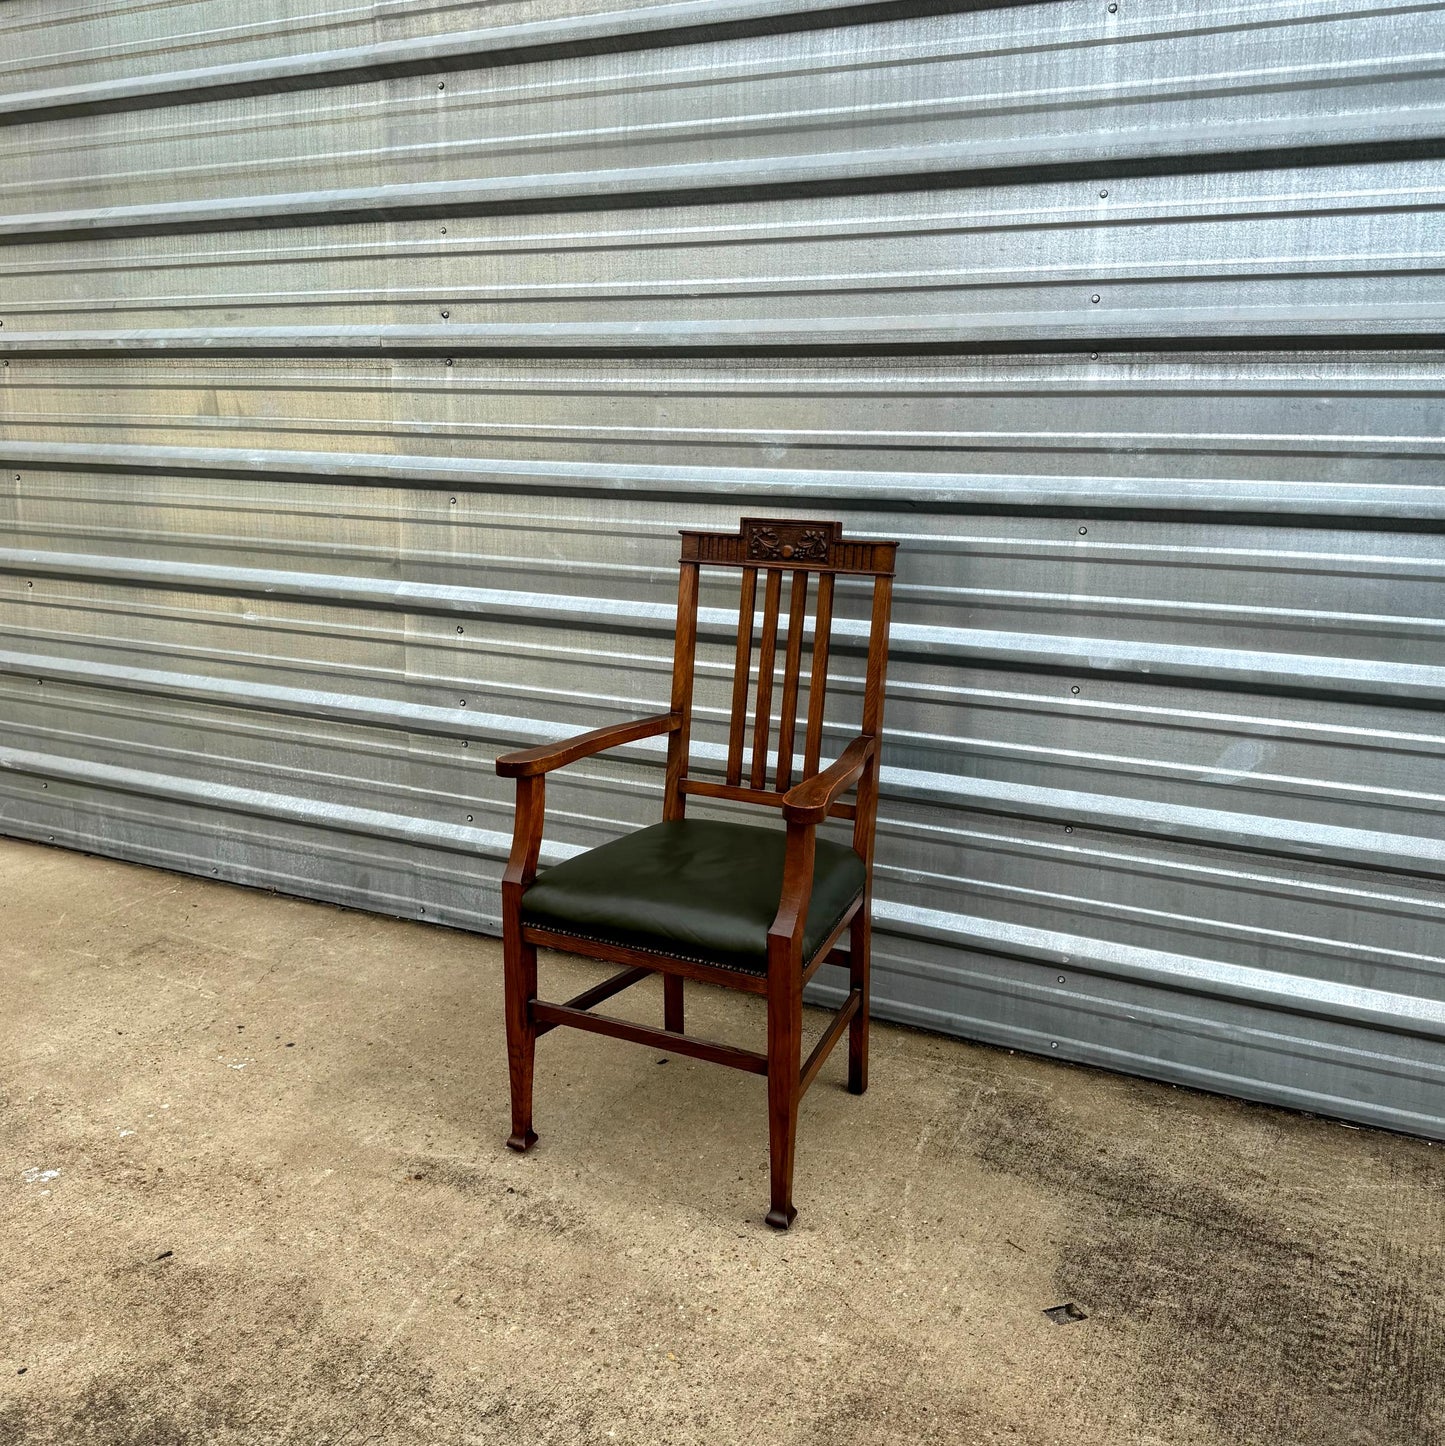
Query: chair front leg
[785,1057]
[520,963]
[785,1019]
[519,959]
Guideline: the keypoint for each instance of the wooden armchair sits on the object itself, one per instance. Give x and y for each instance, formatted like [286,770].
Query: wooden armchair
[755,909]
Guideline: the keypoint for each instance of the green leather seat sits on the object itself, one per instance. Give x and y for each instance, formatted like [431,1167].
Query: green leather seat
[693,888]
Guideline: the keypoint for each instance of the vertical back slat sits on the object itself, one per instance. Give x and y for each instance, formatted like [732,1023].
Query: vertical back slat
[792,666]
[818,676]
[742,666]
[674,801]
[867,796]
[767,653]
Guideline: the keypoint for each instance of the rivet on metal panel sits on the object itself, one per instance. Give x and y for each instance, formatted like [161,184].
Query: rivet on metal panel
[441,85]
[449,361]
[446,315]
[469,818]
[29,584]
[1063,979]
[1094,356]
[1083,532]
[1113,9]
[45,785]
[1074,689]
[453,502]
[1094,297]
[444,230]
[1068,828]
[460,629]
[1053,1044]
[464,702]
[465,744]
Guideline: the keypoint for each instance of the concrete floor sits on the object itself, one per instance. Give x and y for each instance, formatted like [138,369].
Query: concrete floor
[252,1190]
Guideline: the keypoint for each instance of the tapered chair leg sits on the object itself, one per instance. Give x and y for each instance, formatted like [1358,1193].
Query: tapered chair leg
[672,1003]
[860,943]
[520,962]
[785,1046]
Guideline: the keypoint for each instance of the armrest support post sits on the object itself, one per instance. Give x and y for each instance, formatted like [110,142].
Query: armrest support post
[526,836]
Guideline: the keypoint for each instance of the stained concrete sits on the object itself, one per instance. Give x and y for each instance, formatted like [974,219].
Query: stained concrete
[252,1190]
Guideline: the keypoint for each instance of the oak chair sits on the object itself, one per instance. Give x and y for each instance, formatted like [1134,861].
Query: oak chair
[749,908]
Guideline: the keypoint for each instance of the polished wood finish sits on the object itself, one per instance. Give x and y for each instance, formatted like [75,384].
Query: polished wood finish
[767,797]
[813,799]
[598,992]
[767,666]
[792,668]
[772,546]
[658,963]
[707,1049]
[831,1036]
[742,675]
[530,762]
[818,675]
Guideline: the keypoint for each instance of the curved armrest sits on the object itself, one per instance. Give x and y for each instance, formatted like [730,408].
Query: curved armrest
[810,800]
[529,762]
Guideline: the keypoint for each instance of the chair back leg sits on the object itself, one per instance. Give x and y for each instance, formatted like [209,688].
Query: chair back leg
[672,1003]
[860,942]
[520,969]
[785,1056]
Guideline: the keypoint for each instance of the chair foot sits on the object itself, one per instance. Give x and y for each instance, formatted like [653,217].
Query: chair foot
[522,1143]
[861,1087]
[781,1219]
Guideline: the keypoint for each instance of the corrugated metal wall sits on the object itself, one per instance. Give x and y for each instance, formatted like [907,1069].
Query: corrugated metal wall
[359,368]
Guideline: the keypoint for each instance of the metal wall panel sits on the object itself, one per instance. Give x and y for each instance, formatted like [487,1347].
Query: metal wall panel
[359,368]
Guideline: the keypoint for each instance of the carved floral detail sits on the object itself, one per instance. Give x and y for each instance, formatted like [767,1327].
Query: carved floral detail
[805,544]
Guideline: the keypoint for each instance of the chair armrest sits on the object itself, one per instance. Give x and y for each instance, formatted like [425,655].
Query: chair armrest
[810,800]
[529,762]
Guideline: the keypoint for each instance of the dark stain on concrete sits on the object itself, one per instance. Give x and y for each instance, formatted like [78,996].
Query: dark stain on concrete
[1271,1316]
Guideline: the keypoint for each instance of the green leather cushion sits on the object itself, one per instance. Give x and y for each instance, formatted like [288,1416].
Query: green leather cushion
[692,887]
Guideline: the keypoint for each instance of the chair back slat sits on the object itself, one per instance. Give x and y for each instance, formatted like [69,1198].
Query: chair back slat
[818,676]
[767,665]
[792,667]
[774,547]
[742,670]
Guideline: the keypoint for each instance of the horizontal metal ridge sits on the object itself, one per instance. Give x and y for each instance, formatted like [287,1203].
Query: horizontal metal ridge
[1254,833]
[1381,1009]
[1418,684]
[1336,139]
[947,490]
[1378,1008]
[369,823]
[1352,847]
[1194,327]
[639,28]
